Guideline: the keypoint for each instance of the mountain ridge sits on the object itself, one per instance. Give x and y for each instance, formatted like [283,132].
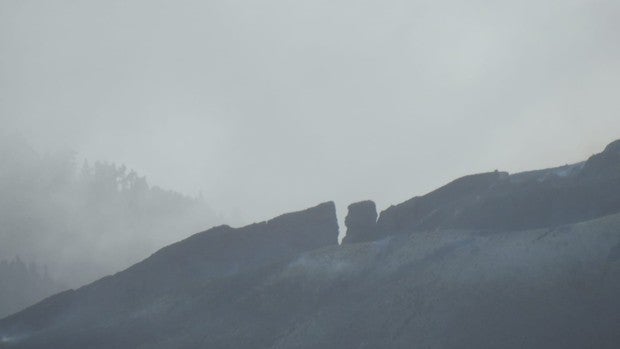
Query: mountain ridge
[488,252]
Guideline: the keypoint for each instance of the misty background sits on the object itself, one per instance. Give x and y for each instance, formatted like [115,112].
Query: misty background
[86,220]
[237,111]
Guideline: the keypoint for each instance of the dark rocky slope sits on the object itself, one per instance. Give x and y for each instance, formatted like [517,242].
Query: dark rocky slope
[498,201]
[487,261]
[154,297]
[546,288]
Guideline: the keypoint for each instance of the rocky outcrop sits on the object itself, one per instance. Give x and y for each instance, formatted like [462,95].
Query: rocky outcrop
[361,222]
[223,249]
[604,165]
[436,208]
[498,202]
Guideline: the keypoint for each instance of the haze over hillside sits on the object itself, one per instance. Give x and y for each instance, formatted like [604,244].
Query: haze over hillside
[24,284]
[488,260]
[422,173]
[85,220]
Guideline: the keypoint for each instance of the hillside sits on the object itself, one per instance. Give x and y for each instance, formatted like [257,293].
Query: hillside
[551,288]
[453,270]
[499,201]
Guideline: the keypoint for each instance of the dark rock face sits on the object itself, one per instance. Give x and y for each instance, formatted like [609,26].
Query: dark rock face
[361,222]
[432,210]
[223,250]
[604,165]
[497,201]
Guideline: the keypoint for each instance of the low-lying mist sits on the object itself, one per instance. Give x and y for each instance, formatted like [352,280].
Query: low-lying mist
[83,220]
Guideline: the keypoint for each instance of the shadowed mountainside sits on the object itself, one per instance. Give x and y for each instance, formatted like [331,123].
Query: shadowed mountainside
[487,261]
[169,279]
[546,288]
[499,201]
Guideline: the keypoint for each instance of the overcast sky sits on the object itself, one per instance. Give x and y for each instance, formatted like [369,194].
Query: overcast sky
[275,105]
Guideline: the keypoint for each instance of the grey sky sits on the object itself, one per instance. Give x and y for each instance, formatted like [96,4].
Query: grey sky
[275,105]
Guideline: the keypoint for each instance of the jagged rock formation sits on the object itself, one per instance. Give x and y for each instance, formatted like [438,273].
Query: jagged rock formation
[224,250]
[496,201]
[361,222]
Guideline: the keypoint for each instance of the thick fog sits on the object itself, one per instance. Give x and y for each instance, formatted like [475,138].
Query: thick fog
[79,222]
[270,106]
